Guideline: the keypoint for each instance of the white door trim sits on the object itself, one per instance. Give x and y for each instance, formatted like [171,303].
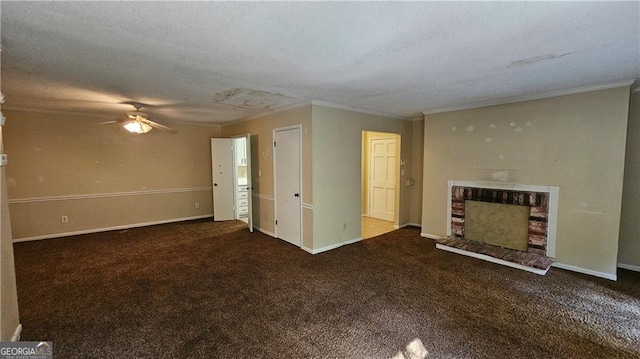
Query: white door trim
[247,148]
[398,169]
[275,177]
[394,137]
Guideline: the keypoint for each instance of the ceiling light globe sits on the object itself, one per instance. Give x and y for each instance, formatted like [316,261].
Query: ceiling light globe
[137,127]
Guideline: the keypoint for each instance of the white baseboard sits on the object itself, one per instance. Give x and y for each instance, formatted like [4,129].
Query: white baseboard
[327,248]
[333,246]
[430,236]
[264,231]
[17,333]
[351,241]
[629,267]
[492,259]
[585,271]
[106,229]
[313,251]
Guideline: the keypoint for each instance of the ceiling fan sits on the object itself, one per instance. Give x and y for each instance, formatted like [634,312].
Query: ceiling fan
[138,122]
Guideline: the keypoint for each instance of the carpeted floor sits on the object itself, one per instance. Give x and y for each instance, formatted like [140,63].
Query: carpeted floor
[208,290]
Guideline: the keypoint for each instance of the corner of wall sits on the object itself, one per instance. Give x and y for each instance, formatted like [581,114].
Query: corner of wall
[9,314]
[629,242]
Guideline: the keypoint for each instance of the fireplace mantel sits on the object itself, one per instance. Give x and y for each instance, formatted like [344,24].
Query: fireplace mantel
[552,192]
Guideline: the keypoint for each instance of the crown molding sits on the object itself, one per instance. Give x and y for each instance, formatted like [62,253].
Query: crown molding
[537,96]
[355,109]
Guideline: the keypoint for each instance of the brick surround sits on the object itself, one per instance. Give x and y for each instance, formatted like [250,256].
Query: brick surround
[538,203]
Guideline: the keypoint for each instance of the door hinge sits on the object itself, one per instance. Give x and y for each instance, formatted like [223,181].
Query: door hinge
[274,143]
[276,222]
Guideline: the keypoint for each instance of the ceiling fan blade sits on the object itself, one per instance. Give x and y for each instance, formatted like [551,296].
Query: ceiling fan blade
[157,125]
[154,105]
[108,122]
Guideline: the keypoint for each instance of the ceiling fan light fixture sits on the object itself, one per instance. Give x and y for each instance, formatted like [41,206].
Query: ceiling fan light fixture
[134,115]
[137,126]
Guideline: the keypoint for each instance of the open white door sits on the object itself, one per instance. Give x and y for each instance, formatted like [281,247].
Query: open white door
[287,165]
[222,175]
[249,181]
[242,164]
[382,181]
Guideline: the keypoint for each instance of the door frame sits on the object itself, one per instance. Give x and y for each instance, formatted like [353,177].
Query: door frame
[398,170]
[275,177]
[247,149]
[395,173]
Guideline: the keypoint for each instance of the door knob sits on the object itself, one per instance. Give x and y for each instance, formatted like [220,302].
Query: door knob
[296,194]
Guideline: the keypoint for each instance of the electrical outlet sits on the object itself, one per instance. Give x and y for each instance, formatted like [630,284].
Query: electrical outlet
[197,205]
[64,219]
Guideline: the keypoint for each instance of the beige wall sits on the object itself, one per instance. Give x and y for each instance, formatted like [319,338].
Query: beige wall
[261,130]
[101,176]
[576,142]
[337,177]
[629,250]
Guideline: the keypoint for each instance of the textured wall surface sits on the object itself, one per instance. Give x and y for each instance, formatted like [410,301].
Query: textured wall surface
[576,142]
[102,176]
[337,171]
[629,253]
[261,130]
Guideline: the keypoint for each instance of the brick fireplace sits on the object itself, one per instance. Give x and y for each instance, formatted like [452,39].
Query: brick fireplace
[541,203]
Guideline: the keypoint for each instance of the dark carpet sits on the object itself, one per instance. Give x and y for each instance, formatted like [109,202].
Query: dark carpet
[209,290]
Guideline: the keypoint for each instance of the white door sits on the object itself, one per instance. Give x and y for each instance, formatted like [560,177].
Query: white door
[382,180]
[286,154]
[243,176]
[222,175]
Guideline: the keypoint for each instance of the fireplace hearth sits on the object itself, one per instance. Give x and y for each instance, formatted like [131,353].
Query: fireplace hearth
[522,214]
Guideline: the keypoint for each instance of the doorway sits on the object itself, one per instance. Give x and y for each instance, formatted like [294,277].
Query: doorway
[242,179]
[231,175]
[380,182]
[287,183]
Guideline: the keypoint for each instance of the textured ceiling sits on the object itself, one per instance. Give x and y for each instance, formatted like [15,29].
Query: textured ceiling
[222,61]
